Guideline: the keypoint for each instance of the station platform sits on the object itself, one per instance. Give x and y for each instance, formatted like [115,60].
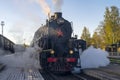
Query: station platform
[20,74]
[110,72]
[1,66]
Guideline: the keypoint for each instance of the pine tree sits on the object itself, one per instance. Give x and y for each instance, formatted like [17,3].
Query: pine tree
[86,36]
[110,29]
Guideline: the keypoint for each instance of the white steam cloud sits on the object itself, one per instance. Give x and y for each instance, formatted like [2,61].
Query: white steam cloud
[28,20]
[44,6]
[57,5]
[22,58]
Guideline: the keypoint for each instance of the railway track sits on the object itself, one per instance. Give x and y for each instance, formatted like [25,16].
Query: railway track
[83,76]
[68,76]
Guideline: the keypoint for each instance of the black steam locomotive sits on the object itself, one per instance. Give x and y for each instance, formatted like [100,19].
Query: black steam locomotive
[60,50]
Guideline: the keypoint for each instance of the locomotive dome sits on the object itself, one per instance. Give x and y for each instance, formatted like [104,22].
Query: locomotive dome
[58,15]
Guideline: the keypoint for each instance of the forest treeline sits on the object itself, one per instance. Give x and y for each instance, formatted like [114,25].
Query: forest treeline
[107,32]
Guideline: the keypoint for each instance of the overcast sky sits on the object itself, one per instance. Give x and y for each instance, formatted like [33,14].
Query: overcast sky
[23,17]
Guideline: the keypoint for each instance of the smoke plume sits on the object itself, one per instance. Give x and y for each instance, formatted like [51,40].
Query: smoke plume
[44,6]
[57,5]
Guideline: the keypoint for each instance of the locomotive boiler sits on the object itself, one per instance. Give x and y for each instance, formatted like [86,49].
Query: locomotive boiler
[60,50]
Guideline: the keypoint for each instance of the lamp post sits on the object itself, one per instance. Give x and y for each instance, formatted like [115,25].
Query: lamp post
[2,24]
[117,49]
[72,28]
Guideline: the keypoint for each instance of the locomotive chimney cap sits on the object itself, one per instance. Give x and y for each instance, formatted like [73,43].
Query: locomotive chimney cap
[58,15]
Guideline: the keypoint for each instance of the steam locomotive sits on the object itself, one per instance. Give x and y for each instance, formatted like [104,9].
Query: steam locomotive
[60,50]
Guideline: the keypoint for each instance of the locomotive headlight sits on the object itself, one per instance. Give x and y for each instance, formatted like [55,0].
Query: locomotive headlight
[71,51]
[52,51]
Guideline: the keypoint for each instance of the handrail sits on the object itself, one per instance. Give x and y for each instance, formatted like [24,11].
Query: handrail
[114,53]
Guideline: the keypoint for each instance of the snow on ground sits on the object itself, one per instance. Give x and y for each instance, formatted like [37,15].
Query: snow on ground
[94,58]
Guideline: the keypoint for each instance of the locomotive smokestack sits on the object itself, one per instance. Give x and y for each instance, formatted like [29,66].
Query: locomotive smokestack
[58,15]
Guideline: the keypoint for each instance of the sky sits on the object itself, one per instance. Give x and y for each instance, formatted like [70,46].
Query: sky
[23,17]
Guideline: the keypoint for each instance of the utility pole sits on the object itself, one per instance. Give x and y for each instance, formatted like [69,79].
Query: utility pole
[2,24]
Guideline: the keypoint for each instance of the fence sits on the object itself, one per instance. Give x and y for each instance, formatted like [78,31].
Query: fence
[114,53]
